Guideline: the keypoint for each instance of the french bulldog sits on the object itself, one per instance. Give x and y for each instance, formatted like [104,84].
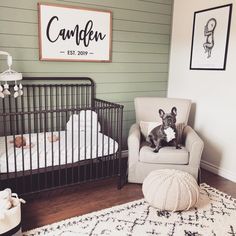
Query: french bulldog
[165,134]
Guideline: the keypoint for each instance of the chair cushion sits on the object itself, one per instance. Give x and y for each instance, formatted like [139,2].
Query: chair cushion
[146,127]
[166,155]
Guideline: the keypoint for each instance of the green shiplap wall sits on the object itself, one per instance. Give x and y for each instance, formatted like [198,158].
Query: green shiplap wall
[140,48]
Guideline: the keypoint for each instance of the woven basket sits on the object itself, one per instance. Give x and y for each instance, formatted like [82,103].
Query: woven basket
[11,223]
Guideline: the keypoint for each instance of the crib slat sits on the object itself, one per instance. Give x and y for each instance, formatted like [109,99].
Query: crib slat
[97,163]
[23,160]
[45,151]
[66,133]
[30,152]
[85,145]
[40,108]
[103,125]
[14,149]
[38,157]
[58,128]
[51,128]
[113,137]
[22,116]
[59,146]
[119,148]
[72,144]
[79,166]
[5,135]
[108,134]
[10,110]
[16,118]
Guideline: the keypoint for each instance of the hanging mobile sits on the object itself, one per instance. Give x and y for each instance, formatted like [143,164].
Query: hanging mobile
[8,76]
[16,93]
[6,91]
[1,92]
[21,89]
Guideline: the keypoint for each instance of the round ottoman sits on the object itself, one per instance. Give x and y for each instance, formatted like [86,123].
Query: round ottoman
[171,190]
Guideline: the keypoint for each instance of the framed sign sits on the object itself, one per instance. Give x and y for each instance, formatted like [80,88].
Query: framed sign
[210,38]
[68,33]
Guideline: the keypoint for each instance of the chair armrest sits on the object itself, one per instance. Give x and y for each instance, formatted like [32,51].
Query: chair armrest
[194,145]
[134,144]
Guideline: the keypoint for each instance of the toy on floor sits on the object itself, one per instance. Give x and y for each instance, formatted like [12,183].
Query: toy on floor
[6,201]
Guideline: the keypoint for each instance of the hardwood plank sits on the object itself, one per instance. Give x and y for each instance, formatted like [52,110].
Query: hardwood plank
[219,182]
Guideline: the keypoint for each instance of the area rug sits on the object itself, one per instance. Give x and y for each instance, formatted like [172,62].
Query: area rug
[215,214]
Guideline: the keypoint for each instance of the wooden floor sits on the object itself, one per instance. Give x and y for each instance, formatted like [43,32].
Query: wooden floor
[53,206]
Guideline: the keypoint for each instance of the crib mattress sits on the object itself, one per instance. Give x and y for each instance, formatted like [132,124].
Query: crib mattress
[70,148]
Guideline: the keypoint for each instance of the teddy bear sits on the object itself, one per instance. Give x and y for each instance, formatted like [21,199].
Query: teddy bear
[7,201]
[53,138]
[20,141]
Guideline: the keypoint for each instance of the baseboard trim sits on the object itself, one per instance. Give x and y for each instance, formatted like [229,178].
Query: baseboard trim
[207,166]
[218,170]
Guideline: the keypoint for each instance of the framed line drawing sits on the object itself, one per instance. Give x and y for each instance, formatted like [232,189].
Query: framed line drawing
[210,37]
[70,33]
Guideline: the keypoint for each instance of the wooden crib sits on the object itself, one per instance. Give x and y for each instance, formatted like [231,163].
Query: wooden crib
[58,134]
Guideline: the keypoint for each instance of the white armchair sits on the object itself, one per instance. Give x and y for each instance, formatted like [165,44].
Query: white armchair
[141,158]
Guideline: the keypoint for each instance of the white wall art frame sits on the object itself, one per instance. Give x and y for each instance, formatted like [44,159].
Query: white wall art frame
[210,37]
[70,33]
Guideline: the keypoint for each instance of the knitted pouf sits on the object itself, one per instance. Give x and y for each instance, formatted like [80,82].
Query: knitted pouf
[171,190]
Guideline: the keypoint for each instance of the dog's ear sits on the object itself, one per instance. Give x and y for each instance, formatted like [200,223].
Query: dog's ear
[161,113]
[174,111]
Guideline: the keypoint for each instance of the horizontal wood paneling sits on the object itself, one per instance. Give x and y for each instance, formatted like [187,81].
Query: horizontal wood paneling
[140,49]
[118,13]
[24,54]
[28,28]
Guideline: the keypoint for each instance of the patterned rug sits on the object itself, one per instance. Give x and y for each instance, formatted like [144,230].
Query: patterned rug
[215,214]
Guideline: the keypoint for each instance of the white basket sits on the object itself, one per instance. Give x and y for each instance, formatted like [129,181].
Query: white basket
[11,223]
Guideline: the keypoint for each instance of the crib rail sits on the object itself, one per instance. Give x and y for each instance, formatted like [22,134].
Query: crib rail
[51,96]
[57,135]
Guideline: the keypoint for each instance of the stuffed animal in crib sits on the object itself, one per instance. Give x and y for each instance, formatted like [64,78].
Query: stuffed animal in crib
[20,141]
[53,138]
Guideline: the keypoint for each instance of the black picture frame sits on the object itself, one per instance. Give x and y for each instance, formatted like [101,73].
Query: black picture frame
[210,38]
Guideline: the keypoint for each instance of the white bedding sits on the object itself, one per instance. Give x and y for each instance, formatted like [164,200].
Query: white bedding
[69,152]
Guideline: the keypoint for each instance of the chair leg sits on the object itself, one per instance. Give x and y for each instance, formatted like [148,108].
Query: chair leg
[123,175]
[199,178]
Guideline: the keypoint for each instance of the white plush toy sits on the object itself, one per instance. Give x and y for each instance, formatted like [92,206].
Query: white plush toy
[170,134]
[6,201]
